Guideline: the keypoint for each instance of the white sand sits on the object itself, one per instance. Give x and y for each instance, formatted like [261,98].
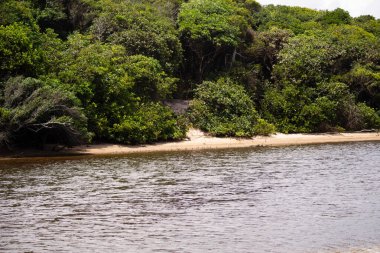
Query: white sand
[197,140]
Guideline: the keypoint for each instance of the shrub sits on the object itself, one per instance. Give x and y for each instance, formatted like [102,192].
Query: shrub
[151,122]
[151,82]
[264,128]
[34,113]
[283,107]
[370,119]
[328,107]
[223,108]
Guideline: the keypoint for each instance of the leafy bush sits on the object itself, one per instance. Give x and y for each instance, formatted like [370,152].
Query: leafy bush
[328,107]
[318,55]
[296,19]
[264,128]
[34,113]
[151,82]
[370,118]
[96,73]
[210,29]
[150,123]
[224,109]
[12,11]
[364,83]
[18,50]
[282,107]
[141,29]
[337,16]
[4,121]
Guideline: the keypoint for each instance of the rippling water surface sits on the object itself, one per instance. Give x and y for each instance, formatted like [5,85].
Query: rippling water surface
[322,198]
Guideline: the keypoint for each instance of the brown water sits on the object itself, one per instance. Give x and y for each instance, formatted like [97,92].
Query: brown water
[323,198]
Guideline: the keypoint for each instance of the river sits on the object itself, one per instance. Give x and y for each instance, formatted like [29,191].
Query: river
[317,198]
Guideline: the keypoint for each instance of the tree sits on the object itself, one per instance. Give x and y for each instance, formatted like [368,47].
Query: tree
[111,85]
[34,113]
[141,29]
[306,60]
[151,122]
[25,51]
[303,70]
[223,108]
[19,53]
[330,106]
[12,11]
[368,23]
[210,29]
[282,106]
[318,55]
[64,16]
[355,46]
[337,16]
[296,19]
[97,74]
[266,47]
[52,14]
[364,82]
[150,80]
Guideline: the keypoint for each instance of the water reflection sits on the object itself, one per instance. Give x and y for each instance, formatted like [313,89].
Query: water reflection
[296,199]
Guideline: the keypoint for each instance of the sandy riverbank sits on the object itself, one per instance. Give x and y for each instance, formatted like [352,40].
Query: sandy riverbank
[197,140]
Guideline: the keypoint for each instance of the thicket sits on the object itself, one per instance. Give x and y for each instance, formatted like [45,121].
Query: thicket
[76,71]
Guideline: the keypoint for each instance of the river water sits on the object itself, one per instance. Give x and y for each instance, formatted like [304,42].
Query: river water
[318,198]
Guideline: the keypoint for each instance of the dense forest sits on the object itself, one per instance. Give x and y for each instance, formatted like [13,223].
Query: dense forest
[76,71]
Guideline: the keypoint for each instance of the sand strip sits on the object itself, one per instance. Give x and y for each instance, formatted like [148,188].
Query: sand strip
[197,140]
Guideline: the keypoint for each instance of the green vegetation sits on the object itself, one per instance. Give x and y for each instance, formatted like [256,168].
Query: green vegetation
[100,70]
[151,122]
[224,109]
[34,113]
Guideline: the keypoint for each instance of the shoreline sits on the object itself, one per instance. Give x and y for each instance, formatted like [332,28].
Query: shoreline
[197,140]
